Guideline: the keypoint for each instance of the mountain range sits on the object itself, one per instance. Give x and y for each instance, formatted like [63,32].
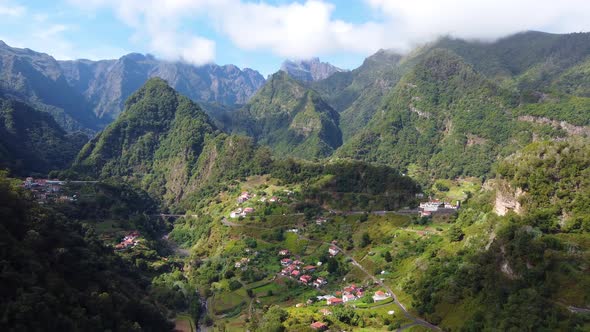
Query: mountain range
[314,164]
[309,70]
[452,106]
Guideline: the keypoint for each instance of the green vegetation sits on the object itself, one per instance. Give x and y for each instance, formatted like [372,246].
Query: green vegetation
[290,118]
[47,256]
[31,142]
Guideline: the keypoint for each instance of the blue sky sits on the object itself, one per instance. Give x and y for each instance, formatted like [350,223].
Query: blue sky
[261,34]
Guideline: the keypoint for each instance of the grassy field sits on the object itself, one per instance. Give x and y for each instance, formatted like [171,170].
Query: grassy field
[184,323]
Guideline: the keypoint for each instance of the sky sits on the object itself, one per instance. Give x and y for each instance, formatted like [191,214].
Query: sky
[261,34]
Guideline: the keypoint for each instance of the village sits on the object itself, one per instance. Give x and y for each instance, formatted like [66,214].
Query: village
[46,190]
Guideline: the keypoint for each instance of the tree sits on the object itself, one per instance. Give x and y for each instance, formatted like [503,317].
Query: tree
[273,319]
[456,233]
[365,240]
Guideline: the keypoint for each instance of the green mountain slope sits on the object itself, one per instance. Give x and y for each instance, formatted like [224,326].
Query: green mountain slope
[445,117]
[58,276]
[357,94]
[526,271]
[166,144]
[290,118]
[32,142]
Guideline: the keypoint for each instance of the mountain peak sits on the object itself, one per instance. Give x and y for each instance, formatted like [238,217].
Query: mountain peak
[309,70]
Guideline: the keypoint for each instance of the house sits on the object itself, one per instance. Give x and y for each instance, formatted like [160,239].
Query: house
[299,305]
[319,326]
[297,262]
[248,210]
[325,312]
[284,252]
[306,278]
[321,221]
[273,199]
[335,301]
[350,289]
[236,213]
[295,273]
[286,261]
[333,251]
[287,271]
[319,282]
[348,297]
[309,268]
[243,197]
[425,213]
[380,296]
[242,263]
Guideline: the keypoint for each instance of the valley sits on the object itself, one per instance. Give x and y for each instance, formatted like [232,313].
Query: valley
[445,189]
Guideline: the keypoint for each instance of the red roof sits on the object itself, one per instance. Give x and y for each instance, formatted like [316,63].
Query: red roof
[318,326]
[305,278]
[295,273]
[335,300]
[309,267]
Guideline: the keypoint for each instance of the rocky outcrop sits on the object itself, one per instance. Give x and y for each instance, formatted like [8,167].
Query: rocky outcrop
[507,199]
[567,127]
[309,70]
[106,84]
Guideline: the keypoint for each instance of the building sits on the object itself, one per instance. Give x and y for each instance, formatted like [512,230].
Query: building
[325,312]
[244,197]
[321,221]
[319,282]
[273,199]
[286,261]
[333,251]
[380,296]
[295,273]
[335,301]
[309,268]
[284,252]
[319,326]
[348,297]
[305,278]
[248,210]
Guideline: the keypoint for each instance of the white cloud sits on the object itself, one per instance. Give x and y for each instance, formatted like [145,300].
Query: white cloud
[301,29]
[422,20]
[9,9]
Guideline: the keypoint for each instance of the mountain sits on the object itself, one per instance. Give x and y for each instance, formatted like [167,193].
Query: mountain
[290,118]
[107,84]
[166,144]
[37,78]
[309,70]
[32,142]
[357,94]
[453,107]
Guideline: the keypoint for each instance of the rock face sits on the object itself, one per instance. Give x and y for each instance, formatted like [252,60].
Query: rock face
[507,199]
[37,79]
[309,70]
[106,84]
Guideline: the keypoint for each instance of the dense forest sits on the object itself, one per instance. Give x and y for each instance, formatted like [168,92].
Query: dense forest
[57,275]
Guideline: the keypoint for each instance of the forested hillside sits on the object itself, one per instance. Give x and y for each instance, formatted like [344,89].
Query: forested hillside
[166,144]
[526,271]
[290,118]
[31,142]
[57,275]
